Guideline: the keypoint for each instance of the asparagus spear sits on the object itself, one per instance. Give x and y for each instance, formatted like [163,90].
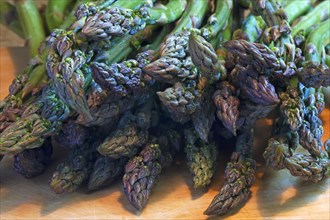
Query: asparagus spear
[278,156]
[253,26]
[279,153]
[32,162]
[318,14]
[292,108]
[296,8]
[69,175]
[314,75]
[34,77]
[201,159]
[278,29]
[218,20]
[239,176]
[56,12]
[142,173]
[105,171]
[125,141]
[316,41]
[227,103]
[31,23]
[193,16]
[40,120]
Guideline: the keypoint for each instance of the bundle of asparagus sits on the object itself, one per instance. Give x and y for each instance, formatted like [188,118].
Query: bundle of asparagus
[125,99]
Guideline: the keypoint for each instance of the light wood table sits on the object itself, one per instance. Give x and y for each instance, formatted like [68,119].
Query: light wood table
[275,195]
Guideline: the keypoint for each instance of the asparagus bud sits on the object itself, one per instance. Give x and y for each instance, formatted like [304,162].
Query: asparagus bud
[32,162]
[260,56]
[314,75]
[227,103]
[69,175]
[204,57]
[292,108]
[112,22]
[276,152]
[307,167]
[171,70]
[201,159]
[72,135]
[105,171]
[125,140]
[26,133]
[121,79]
[141,175]
[180,100]
[239,176]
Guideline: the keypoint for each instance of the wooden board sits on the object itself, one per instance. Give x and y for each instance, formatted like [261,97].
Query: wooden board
[275,195]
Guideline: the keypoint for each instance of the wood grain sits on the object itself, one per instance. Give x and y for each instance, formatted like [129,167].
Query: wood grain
[275,195]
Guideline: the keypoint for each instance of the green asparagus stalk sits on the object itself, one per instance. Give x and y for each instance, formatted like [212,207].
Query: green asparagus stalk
[132,4]
[296,8]
[9,18]
[193,16]
[320,13]
[56,12]
[217,21]
[316,42]
[327,60]
[31,22]
[154,45]
[171,12]
[124,46]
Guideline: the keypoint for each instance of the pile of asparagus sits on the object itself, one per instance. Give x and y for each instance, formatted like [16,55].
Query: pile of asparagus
[128,85]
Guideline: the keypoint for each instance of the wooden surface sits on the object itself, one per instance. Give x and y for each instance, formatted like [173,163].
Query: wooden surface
[275,195]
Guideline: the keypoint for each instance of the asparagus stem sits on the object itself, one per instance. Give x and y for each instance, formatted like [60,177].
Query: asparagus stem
[105,3]
[31,22]
[132,4]
[124,46]
[55,12]
[168,14]
[327,60]
[318,14]
[316,41]
[158,40]
[217,21]
[193,15]
[71,17]
[36,79]
[9,18]
[296,8]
